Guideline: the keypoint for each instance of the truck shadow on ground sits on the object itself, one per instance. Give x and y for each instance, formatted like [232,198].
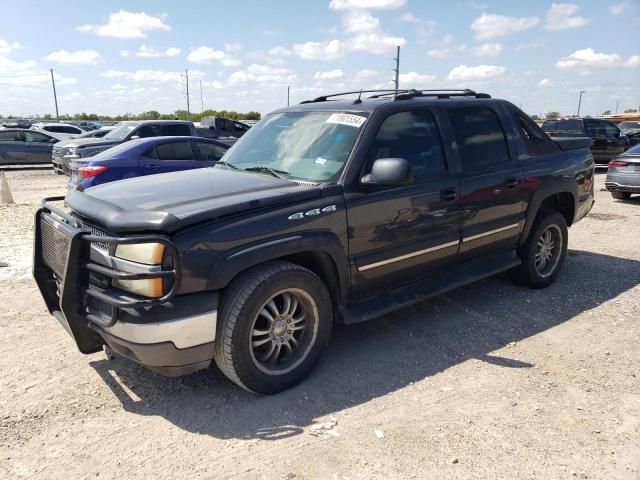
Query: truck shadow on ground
[372,359]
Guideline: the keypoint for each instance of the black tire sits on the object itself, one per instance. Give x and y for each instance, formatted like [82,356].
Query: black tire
[621,195]
[243,304]
[529,272]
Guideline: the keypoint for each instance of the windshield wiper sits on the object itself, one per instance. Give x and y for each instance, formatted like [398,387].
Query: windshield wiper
[271,171]
[225,164]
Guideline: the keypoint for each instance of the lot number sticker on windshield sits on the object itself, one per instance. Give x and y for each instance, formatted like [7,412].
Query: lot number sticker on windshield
[347,119]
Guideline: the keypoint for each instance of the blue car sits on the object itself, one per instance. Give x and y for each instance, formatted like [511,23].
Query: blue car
[146,156]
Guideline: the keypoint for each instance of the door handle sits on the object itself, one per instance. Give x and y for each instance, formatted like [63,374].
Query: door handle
[510,182]
[449,195]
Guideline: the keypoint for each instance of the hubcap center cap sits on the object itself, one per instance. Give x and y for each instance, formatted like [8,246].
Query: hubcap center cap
[280,328]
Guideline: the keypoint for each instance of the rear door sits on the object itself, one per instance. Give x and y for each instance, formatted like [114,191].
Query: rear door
[170,157]
[176,130]
[39,147]
[12,147]
[490,182]
[398,234]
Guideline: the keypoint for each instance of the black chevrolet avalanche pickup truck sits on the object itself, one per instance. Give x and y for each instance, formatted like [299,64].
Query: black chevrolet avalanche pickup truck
[334,210]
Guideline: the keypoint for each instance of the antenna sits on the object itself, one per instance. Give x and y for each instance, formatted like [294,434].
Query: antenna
[358,100]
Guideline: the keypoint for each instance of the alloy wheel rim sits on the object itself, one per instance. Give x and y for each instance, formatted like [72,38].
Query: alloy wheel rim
[283,331]
[548,251]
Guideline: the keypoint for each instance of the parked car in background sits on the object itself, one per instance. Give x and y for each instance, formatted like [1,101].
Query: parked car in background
[623,175]
[146,156]
[327,211]
[61,130]
[21,146]
[99,133]
[87,126]
[631,130]
[220,127]
[66,152]
[608,141]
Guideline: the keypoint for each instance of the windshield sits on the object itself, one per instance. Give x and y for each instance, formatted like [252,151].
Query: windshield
[311,146]
[573,126]
[629,126]
[121,130]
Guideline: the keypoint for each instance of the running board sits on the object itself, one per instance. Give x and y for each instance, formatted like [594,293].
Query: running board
[403,296]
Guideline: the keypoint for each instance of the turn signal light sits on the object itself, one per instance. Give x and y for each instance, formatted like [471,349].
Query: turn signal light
[617,163]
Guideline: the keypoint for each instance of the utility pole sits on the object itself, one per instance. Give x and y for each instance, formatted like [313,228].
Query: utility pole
[580,100]
[397,69]
[617,104]
[201,98]
[55,96]
[288,92]
[186,76]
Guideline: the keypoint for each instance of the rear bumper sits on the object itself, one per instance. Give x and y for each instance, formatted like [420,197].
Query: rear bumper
[617,187]
[172,335]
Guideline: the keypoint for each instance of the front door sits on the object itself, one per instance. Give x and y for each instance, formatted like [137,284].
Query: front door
[595,129]
[397,234]
[39,147]
[490,183]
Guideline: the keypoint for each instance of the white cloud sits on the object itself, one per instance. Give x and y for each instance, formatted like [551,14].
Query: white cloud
[535,44]
[477,6]
[124,53]
[327,50]
[118,86]
[415,80]
[150,52]
[488,50]
[81,57]
[125,24]
[6,47]
[330,75]
[447,47]
[280,52]
[209,55]
[410,18]
[375,43]
[588,61]
[366,73]
[618,8]
[480,72]
[232,47]
[548,83]
[562,16]
[155,76]
[365,4]
[358,21]
[490,25]
[213,84]
[262,74]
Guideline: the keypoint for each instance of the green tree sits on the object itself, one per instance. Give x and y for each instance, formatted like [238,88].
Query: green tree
[631,110]
[606,112]
[552,115]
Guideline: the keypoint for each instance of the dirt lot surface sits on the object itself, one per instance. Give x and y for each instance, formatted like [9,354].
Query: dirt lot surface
[488,381]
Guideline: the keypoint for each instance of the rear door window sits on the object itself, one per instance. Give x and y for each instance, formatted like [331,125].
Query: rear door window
[147,131]
[595,128]
[174,151]
[36,137]
[611,129]
[480,138]
[177,130]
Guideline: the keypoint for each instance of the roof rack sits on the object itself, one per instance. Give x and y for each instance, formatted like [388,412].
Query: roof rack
[405,94]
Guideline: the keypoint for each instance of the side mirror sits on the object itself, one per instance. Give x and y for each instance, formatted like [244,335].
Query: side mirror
[134,137]
[389,171]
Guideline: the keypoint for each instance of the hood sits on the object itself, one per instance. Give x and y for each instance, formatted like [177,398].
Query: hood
[171,201]
[88,142]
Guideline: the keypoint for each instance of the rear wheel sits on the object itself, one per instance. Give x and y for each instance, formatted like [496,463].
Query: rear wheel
[274,324]
[621,195]
[544,252]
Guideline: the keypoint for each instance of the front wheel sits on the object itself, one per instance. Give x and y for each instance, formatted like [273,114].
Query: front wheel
[274,324]
[544,252]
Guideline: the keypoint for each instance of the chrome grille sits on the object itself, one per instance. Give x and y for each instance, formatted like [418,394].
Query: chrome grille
[98,233]
[55,247]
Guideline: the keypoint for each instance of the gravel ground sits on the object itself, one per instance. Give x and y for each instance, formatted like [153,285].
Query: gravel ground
[488,381]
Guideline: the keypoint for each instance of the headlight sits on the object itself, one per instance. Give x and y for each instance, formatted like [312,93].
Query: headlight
[71,151]
[148,254]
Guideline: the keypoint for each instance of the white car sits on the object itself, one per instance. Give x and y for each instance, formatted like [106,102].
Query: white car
[64,131]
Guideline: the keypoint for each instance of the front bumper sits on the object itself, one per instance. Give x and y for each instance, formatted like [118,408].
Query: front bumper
[172,335]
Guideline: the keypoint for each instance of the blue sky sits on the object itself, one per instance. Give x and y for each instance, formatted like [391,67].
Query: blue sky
[117,57]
